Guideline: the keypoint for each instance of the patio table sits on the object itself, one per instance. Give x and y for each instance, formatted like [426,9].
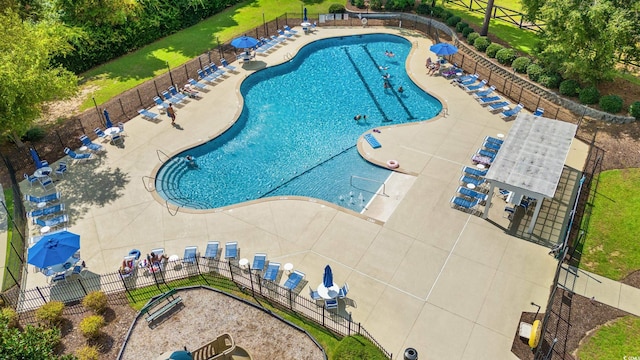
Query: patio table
[328,292]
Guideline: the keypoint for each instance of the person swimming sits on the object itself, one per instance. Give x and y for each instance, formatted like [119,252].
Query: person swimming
[191,161]
[357,117]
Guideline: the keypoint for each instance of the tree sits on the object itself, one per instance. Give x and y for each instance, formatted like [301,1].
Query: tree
[99,12]
[27,76]
[583,39]
[487,18]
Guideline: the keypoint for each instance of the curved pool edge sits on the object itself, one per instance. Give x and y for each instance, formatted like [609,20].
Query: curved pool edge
[287,55]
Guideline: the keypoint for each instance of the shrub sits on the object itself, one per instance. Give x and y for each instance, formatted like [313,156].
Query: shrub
[9,317]
[569,88]
[336,9]
[472,37]
[436,11]
[534,71]
[400,5]
[445,15]
[50,313]
[454,20]
[34,134]
[91,326]
[468,31]
[423,9]
[589,95]
[521,64]
[506,56]
[461,26]
[611,103]
[493,49]
[550,81]
[88,353]
[95,301]
[481,43]
[375,5]
[634,109]
[359,4]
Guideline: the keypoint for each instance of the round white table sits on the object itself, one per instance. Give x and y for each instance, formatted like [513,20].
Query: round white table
[500,136]
[328,292]
[40,205]
[45,229]
[471,186]
[173,258]
[112,131]
[243,263]
[480,166]
[288,267]
[43,171]
[82,148]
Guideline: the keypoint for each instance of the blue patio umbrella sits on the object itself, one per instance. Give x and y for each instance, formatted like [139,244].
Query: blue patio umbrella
[53,249]
[244,42]
[175,355]
[36,158]
[327,279]
[304,17]
[443,49]
[107,119]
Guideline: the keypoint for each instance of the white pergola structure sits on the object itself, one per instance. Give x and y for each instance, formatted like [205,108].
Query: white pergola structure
[531,160]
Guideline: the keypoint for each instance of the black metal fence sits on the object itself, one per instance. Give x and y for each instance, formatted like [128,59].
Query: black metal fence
[499,12]
[142,284]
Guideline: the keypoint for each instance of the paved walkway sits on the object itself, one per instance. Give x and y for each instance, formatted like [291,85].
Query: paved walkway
[421,274]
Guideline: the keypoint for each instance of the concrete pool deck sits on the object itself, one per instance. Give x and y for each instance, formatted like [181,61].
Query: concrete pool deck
[449,284]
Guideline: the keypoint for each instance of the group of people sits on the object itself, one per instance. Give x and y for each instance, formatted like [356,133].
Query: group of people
[154,260]
[389,53]
[359,117]
[432,67]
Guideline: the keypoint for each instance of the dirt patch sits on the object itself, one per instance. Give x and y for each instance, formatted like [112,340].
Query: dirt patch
[632,279]
[60,110]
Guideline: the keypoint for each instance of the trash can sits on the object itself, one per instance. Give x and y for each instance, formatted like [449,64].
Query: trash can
[410,354]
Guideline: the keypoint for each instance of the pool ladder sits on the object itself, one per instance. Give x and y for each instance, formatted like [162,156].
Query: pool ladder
[288,56]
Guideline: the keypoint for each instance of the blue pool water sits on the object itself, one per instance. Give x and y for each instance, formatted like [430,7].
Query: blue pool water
[296,135]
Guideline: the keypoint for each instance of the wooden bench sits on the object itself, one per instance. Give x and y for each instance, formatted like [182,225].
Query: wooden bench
[161,305]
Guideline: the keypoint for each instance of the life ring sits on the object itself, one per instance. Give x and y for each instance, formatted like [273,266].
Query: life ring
[534,339]
[364,21]
[393,164]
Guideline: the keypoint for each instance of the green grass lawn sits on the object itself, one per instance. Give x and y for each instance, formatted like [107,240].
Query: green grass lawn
[615,341]
[12,261]
[611,245]
[135,68]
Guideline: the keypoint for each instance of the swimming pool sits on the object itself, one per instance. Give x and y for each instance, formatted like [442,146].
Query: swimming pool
[296,135]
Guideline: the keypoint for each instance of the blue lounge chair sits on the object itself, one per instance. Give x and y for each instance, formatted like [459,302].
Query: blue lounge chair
[331,304]
[46,182]
[539,111]
[175,94]
[160,102]
[46,211]
[294,279]
[205,77]
[231,250]
[314,294]
[100,133]
[211,252]
[493,140]
[472,194]
[53,197]
[491,146]
[290,30]
[278,39]
[272,271]
[30,179]
[467,79]
[259,262]
[197,84]
[344,290]
[472,180]
[497,106]
[53,222]
[489,100]
[484,93]
[214,69]
[190,254]
[474,88]
[282,33]
[265,46]
[147,114]
[460,203]
[511,113]
[474,172]
[226,65]
[488,153]
[84,139]
[170,98]
[78,157]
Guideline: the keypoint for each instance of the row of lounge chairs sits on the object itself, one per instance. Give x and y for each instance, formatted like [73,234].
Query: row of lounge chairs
[48,211]
[265,45]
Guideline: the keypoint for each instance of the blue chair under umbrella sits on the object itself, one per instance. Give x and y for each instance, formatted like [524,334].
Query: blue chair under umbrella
[53,249]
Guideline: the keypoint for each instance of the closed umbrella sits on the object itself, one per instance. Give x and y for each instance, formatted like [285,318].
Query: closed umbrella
[304,18]
[107,119]
[244,42]
[327,279]
[53,249]
[443,49]
[175,355]
[36,158]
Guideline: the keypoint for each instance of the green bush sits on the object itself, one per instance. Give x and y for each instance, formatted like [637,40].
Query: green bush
[493,49]
[437,11]
[506,56]
[91,326]
[95,301]
[375,5]
[472,37]
[423,9]
[468,31]
[634,109]
[569,87]
[32,343]
[88,353]
[611,103]
[399,5]
[589,95]
[336,9]
[445,15]
[454,20]
[50,313]
[34,134]
[461,26]
[359,4]
[550,81]
[534,71]
[481,43]
[9,317]
[521,64]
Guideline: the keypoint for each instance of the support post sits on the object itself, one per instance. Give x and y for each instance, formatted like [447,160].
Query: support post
[535,215]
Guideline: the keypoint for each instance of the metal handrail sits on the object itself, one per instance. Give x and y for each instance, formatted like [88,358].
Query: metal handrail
[145,183]
[384,186]
[158,152]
